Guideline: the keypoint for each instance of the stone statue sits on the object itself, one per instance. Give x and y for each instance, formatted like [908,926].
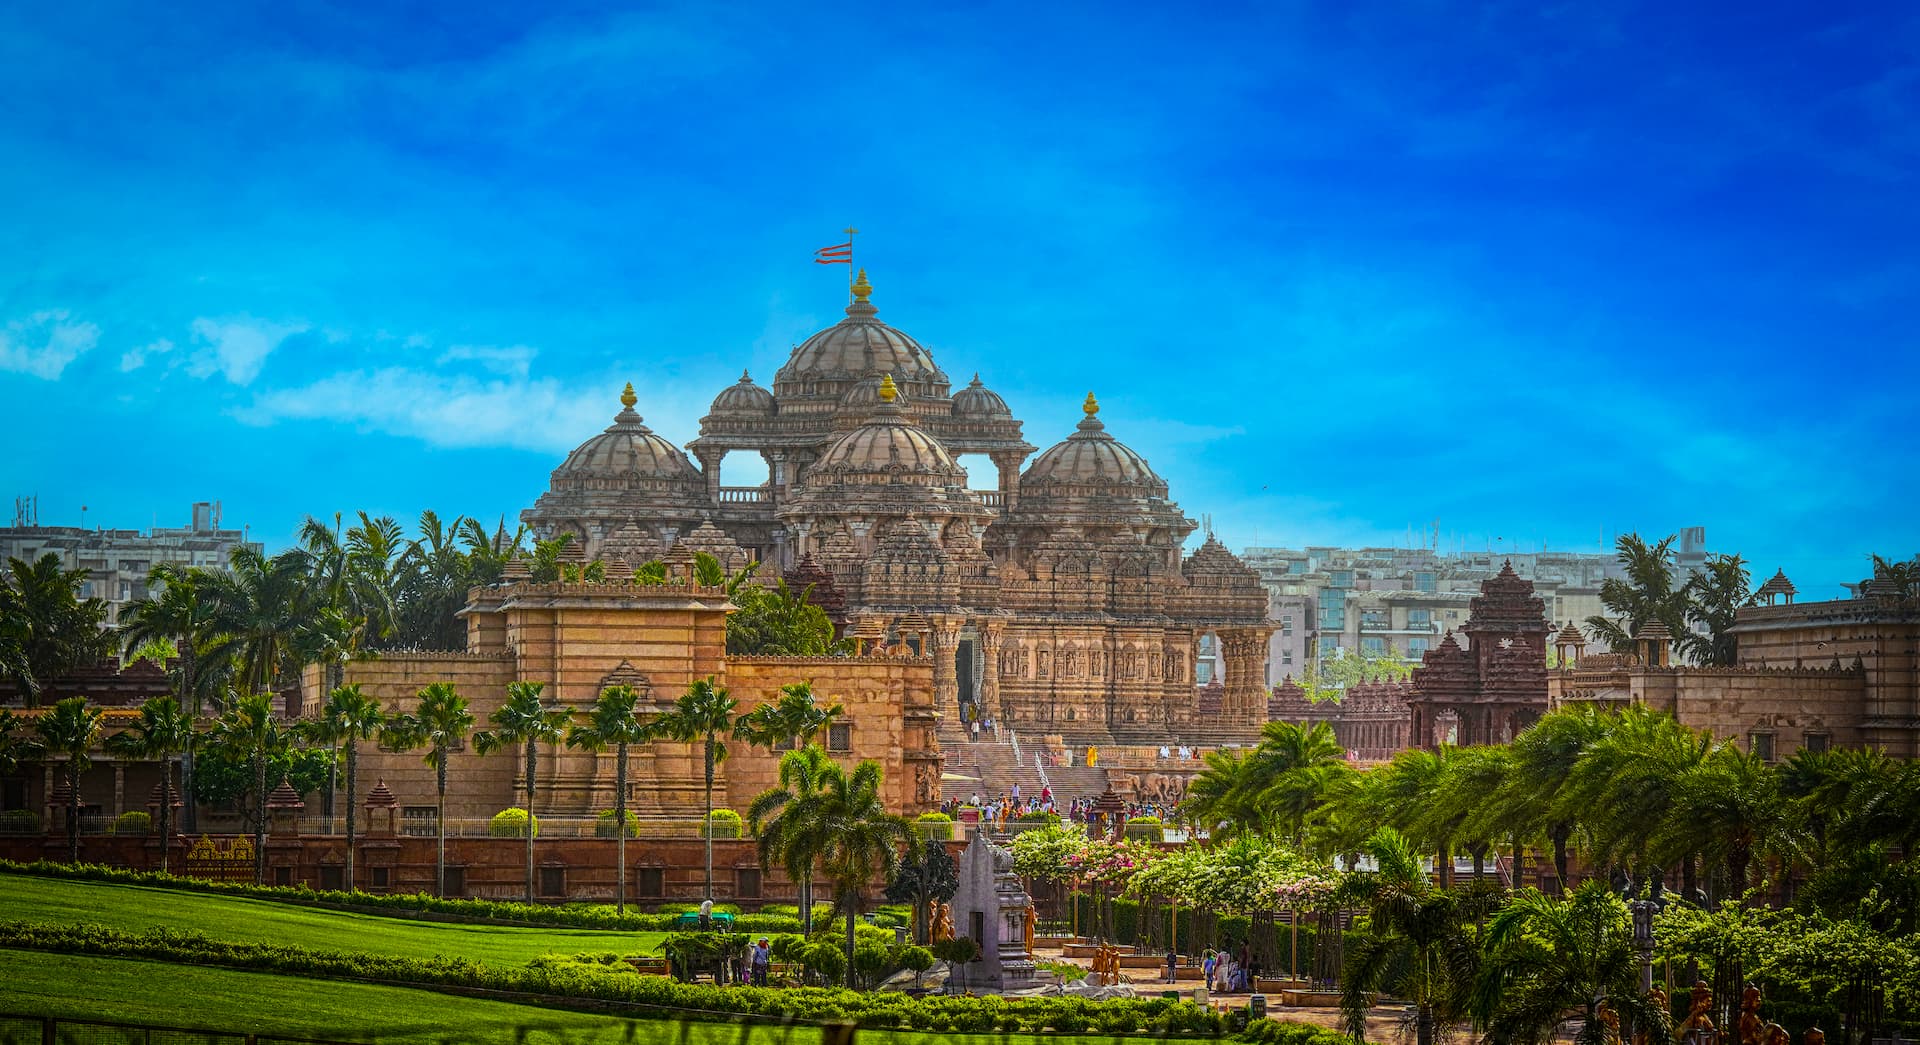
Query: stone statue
[1657,997]
[942,923]
[1774,1034]
[1698,1028]
[1752,1030]
[1610,1020]
[1814,1036]
[1033,922]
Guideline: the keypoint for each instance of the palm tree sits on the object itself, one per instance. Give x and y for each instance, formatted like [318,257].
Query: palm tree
[784,819]
[1294,769]
[162,732]
[1405,786]
[349,717]
[261,605]
[1730,807]
[1546,958]
[1625,786]
[796,718]
[1646,593]
[439,723]
[1415,945]
[1715,596]
[180,615]
[249,731]
[525,720]
[860,838]
[1544,759]
[703,714]
[69,728]
[48,628]
[1220,798]
[1831,788]
[1468,800]
[611,723]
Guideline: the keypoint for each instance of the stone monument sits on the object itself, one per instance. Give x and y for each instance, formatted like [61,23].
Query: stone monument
[991,908]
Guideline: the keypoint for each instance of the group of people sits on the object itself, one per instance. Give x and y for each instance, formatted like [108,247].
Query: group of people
[1223,971]
[1182,752]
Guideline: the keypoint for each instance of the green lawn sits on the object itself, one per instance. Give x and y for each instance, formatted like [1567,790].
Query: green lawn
[138,908]
[121,990]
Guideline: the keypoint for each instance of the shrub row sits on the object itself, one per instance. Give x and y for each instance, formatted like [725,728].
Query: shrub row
[1229,931]
[401,905]
[591,983]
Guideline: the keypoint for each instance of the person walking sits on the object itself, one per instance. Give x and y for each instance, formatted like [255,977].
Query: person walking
[762,954]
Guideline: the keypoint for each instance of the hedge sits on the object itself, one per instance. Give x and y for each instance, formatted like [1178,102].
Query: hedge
[589,983]
[133,824]
[1228,931]
[512,823]
[400,905]
[725,823]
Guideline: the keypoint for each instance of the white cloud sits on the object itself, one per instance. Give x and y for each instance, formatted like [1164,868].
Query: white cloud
[463,411]
[44,343]
[236,348]
[508,360]
[137,357]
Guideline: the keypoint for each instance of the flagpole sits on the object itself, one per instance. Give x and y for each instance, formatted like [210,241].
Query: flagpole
[851,232]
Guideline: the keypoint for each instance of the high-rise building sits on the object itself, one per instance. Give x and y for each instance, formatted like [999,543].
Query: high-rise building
[118,561]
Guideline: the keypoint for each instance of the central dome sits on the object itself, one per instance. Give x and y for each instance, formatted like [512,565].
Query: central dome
[858,346]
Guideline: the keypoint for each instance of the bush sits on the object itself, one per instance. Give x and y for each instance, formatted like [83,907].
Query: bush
[1146,829]
[19,822]
[133,824]
[1039,817]
[604,827]
[725,823]
[512,823]
[937,826]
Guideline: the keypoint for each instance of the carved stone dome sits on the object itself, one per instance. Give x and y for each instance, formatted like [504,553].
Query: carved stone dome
[743,397]
[976,400]
[864,398]
[887,443]
[626,452]
[1092,458]
[856,347]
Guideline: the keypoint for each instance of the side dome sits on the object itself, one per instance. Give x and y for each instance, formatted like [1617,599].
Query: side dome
[976,400]
[859,346]
[743,397]
[1092,458]
[627,452]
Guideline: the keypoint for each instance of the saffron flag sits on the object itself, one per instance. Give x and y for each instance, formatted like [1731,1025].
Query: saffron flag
[841,254]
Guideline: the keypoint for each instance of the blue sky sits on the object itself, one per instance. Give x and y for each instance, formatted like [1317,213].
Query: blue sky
[1541,273]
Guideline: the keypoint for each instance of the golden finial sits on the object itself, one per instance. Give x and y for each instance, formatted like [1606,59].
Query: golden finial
[1091,406]
[887,390]
[861,288]
[627,398]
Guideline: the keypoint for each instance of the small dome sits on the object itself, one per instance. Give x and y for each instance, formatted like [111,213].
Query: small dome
[626,450]
[863,398]
[743,397]
[976,400]
[888,442]
[1091,457]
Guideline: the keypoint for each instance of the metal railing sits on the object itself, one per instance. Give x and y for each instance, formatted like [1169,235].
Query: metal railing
[546,827]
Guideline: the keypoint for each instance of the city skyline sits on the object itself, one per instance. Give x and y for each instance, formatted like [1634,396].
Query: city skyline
[1334,275]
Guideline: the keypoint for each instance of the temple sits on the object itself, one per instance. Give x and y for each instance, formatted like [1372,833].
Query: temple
[1054,600]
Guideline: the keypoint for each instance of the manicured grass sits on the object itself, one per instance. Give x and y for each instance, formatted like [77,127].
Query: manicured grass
[136,908]
[119,990]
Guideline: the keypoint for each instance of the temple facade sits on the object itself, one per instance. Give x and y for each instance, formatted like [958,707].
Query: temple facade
[1494,686]
[1054,598]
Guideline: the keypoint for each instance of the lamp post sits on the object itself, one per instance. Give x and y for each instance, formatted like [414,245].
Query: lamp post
[1642,912]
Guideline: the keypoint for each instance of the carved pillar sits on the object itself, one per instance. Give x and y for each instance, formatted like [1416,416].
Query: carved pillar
[1008,466]
[710,471]
[776,475]
[990,635]
[119,787]
[946,684]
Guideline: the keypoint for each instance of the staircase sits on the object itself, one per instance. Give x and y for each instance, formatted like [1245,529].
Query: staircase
[997,765]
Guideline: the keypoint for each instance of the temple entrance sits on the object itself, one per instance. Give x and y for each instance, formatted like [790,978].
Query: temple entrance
[963,674]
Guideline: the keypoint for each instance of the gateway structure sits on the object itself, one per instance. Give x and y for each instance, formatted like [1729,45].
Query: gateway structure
[1054,598]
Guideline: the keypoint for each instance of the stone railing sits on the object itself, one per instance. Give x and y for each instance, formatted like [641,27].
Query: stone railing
[744,495]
